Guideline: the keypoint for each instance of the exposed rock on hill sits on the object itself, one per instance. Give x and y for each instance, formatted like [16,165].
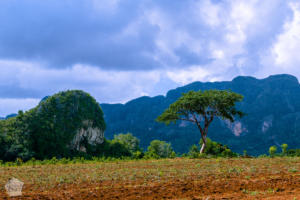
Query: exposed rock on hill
[92,135]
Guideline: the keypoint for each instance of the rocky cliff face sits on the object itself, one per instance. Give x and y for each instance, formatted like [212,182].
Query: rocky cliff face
[88,133]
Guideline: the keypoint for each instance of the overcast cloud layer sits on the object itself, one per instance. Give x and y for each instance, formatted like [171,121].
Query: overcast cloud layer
[118,50]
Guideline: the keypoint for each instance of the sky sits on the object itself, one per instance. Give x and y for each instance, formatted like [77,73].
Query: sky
[120,50]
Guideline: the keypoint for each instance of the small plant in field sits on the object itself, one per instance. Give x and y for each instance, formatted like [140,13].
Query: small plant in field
[253,169]
[19,162]
[245,191]
[245,153]
[235,170]
[284,149]
[272,151]
[293,170]
[53,161]
[270,191]
[161,173]
[253,193]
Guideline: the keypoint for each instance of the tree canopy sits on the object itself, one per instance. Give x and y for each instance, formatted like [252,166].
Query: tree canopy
[132,143]
[160,149]
[201,107]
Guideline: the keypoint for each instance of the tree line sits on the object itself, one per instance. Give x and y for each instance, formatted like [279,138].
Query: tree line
[45,132]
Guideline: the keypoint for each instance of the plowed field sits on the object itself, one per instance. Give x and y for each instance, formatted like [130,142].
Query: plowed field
[260,178]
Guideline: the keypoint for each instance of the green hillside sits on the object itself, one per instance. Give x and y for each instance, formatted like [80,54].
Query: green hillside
[272,107]
[62,125]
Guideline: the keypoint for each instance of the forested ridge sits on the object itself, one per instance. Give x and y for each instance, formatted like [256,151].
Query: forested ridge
[272,107]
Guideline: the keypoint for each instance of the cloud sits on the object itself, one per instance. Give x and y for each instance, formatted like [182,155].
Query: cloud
[119,50]
[282,55]
[131,35]
[29,80]
[288,43]
[63,33]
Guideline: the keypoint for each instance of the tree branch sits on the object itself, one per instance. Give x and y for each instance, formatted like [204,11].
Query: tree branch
[189,120]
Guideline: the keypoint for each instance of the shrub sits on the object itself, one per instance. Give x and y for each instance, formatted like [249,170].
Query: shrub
[293,152]
[19,162]
[272,151]
[284,149]
[129,141]
[217,149]
[159,149]
[245,153]
[137,155]
[111,149]
[194,152]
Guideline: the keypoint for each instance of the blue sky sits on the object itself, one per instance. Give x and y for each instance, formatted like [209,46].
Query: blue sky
[119,50]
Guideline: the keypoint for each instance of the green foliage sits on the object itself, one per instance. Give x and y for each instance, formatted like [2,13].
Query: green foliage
[272,151]
[261,97]
[284,149]
[208,103]
[194,151]
[293,152]
[53,123]
[46,131]
[13,141]
[214,149]
[112,149]
[129,141]
[137,155]
[123,145]
[160,149]
[217,149]
[202,107]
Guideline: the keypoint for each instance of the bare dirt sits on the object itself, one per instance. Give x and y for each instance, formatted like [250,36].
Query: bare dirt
[166,179]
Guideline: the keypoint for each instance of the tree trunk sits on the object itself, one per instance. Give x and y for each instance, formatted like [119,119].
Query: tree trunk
[203,145]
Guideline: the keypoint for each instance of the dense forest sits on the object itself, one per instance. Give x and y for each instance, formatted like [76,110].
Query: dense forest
[72,123]
[272,107]
[61,125]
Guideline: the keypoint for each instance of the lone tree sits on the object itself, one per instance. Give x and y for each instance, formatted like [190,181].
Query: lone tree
[201,108]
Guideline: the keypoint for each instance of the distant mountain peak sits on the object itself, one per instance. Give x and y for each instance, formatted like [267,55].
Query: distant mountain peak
[272,106]
[244,78]
[283,77]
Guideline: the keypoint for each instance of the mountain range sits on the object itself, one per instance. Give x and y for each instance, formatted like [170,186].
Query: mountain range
[272,107]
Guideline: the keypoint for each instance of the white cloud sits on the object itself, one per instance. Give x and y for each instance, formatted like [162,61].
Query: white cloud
[286,49]
[104,85]
[157,47]
[283,54]
[194,73]
[209,13]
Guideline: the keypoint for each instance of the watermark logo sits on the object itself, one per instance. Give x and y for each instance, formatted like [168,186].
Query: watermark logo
[14,187]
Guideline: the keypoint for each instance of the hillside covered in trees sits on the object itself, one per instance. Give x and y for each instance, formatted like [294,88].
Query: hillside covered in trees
[65,124]
[272,107]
